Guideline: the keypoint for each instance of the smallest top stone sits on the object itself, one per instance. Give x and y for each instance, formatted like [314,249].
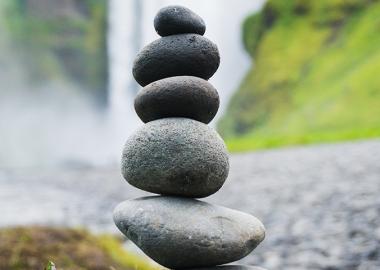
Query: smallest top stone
[173,20]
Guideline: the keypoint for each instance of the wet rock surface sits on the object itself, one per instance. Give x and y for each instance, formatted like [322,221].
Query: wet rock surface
[320,204]
[173,20]
[183,96]
[176,156]
[181,233]
[177,55]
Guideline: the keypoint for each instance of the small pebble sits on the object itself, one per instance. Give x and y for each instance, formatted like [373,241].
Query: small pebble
[173,20]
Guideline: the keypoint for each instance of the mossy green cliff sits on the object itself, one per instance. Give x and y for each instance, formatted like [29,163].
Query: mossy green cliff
[314,77]
[61,40]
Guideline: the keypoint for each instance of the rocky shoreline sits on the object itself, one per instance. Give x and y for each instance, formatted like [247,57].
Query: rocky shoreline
[320,204]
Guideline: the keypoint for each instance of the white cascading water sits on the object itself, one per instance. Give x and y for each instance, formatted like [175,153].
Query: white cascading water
[131,27]
[123,43]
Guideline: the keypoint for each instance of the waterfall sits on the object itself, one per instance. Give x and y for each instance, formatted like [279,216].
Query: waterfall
[124,41]
[131,27]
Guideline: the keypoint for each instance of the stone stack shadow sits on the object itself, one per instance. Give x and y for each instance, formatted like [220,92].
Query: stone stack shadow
[176,155]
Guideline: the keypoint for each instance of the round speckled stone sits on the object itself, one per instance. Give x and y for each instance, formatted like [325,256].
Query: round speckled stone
[177,55]
[173,20]
[176,156]
[182,96]
[186,233]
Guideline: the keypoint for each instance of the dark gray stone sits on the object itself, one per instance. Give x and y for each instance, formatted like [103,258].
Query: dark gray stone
[176,156]
[182,96]
[230,267]
[173,20]
[186,233]
[178,55]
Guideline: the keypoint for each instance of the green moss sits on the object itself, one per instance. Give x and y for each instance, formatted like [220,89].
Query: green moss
[74,249]
[117,252]
[271,140]
[314,78]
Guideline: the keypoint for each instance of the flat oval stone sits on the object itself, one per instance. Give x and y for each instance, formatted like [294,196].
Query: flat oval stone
[173,20]
[176,156]
[186,233]
[178,55]
[182,96]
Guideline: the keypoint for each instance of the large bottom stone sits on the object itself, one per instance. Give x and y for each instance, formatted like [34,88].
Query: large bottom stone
[186,233]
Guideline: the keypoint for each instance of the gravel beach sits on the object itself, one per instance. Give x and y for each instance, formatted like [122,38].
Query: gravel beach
[320,204]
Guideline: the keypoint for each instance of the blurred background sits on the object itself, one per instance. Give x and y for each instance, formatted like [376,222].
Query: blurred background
[300,107]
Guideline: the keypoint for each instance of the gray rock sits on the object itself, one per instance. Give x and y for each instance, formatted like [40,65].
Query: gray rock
[176,156]
[186,233]
[178,55]
[182,96]
[173,20]
[230,267]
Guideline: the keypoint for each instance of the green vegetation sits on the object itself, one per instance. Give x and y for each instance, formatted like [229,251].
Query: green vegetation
[50,266]
[56,40]
[71,249]
[314,78]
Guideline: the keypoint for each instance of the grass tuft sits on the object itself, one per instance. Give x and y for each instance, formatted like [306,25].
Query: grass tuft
[75,249]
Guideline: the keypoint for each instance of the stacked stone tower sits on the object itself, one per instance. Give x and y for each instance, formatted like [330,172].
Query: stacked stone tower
[175,154]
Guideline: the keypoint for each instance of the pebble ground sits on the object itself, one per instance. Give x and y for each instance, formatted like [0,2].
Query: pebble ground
[320,204]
